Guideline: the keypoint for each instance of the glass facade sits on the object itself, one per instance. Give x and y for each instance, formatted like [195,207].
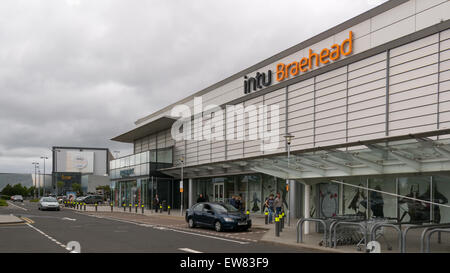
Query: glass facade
[129,166]
[134,179]
[250,189]
[328,198]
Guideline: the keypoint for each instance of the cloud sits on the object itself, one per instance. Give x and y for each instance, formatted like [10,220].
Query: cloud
[78,72]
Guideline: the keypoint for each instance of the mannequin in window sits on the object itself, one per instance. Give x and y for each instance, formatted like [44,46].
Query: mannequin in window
[376,202]
[438,198]
[358,198]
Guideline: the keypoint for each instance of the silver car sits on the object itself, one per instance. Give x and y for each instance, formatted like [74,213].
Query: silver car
[48,203]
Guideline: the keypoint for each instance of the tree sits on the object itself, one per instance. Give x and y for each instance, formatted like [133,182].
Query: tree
[106,190]
[7,190]
[17,189]
[31,190]
[77,188]
[60,186]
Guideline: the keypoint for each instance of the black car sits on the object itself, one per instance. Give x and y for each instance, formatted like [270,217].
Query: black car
[92,199]
[218,216]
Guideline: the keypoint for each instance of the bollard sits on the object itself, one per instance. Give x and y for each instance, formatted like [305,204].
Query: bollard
[281,222]
[136,207]
[111,207]
[142,209]
[277,226]
[84,206]
[96,204]
[248,214]
[130,207]
[160,208]
[123,207]
[168,210]
[266,217]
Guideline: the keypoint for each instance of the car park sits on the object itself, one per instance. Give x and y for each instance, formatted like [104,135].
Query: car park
[219,216]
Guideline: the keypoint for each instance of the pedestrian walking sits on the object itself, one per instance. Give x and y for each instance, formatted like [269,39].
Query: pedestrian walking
[270,208]
[238,203]
[278,204]
[156,203]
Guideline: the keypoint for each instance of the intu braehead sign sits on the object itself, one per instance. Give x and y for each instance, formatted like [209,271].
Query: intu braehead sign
[285,71]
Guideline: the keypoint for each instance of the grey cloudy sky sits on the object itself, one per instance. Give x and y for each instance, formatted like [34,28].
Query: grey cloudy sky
[79,72]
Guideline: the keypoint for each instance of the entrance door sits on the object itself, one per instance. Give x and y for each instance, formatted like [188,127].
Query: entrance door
[219,192]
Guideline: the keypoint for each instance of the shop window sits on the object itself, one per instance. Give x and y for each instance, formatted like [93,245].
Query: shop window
[268,186]
[441,194]
[355,199]
[281,188]
[379,204]
[328,199]
[254,193]
[416,187]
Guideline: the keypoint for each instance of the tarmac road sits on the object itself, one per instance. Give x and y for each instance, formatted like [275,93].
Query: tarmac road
[50,231]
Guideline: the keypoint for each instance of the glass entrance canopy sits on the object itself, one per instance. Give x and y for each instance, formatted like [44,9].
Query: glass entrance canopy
[391,155]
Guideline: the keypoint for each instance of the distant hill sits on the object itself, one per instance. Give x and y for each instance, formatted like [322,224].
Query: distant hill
[15,178]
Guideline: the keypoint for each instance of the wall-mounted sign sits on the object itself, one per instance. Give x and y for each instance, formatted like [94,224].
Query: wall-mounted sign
[127,172]
[293,69]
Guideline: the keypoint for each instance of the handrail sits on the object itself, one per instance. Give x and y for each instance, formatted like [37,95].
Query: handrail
[405,232]
[300,228]
[379,225]
[336,220]
[372,236]
[360,224]
[428,238]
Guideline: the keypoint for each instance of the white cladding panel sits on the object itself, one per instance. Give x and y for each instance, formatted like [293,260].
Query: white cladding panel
[404,19]
[349,103]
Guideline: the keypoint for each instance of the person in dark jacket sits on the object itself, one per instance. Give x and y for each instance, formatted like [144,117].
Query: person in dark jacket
[201,198]
[156,203]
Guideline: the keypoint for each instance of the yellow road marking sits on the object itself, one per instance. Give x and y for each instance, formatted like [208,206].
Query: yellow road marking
[28,220]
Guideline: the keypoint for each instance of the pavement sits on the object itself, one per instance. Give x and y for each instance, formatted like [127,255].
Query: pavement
[10,219]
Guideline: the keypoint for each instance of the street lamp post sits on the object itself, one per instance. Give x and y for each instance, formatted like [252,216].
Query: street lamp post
[35,178]
[39,182]
[44,157]
[288,138]
[181,185]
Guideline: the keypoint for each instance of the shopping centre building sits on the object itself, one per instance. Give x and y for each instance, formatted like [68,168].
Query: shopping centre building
[364,105]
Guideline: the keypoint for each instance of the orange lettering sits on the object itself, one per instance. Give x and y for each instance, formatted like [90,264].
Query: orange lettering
[324,54]
[311,55]
[334,54]
[280,72]
[294,69]
[348,41]
[303,63]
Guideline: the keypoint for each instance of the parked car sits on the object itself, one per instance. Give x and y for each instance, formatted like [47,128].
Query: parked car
[17,198]
[48,203]
[93,199]
[218,216]
[79,199]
